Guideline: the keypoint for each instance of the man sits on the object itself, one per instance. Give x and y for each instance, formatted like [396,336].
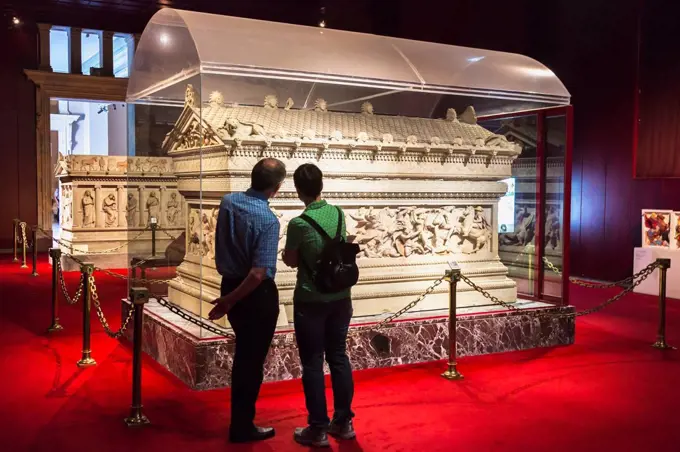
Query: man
[321,319]
[246,250]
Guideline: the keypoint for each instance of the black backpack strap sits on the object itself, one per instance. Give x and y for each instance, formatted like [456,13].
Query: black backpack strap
[316,226]
[338,234]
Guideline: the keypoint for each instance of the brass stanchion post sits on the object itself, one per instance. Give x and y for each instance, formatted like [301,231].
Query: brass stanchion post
[139,296]
[86,358]
[35,250]
[154,225]
[452,373]
[55,254]
[22,225]
[15,237]
[664,265]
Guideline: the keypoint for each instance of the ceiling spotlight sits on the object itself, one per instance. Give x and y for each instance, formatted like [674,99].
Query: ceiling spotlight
[16,20]
[165,39]
[322,24]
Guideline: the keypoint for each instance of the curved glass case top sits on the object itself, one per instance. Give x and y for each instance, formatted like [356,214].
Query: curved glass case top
[300,62]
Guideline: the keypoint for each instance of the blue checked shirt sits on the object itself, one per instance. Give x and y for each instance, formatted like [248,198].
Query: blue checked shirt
[247,235]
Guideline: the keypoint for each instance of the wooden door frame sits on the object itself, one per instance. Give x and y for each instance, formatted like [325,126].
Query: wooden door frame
[49,85]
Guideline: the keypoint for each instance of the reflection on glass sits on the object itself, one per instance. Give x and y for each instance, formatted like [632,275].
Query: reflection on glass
[555,139]
[91,51]
[517,209]
[121,55]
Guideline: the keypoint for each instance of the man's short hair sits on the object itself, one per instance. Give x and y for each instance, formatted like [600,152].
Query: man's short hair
[267,174]
[308,180]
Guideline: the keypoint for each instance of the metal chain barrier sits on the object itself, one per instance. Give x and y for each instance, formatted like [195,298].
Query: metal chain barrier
[79,291]
[173,238]
[399,313]
[636,278]
[100,313]
[72,249]
[592,285]
[186,316]
[118,276]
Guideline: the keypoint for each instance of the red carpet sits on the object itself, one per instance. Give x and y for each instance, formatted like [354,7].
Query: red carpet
[610,391]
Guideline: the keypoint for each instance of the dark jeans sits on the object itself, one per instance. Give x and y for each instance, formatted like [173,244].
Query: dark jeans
[321,329]
[254,321]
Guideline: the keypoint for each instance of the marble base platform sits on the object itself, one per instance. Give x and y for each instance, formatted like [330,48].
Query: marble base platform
[203,360]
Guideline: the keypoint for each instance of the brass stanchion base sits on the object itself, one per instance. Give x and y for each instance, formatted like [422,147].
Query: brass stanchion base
[136,419]
[24,266]
[452,373]
[86,361]
[662,345]
[15,260]
[55,327]
[34,274]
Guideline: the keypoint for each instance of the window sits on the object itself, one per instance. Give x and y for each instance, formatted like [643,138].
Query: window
[59,50]
[91,50]
[121,55]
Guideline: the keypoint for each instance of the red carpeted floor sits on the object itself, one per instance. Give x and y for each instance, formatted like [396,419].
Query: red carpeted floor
[609,391]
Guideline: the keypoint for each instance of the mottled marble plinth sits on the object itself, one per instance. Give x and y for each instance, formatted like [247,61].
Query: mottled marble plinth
[203,361]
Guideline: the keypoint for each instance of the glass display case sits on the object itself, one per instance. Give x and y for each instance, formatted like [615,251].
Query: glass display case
[418,143]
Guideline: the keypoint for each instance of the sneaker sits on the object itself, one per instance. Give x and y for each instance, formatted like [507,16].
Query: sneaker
[310,436]
[342,430]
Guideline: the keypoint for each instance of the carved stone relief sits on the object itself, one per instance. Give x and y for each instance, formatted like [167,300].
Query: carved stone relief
[403,231]
[110,209]
[172,210]
[525,228]
[131,209]
[112,164]
[66,204]
[152,206]
[88,210]
[201,232]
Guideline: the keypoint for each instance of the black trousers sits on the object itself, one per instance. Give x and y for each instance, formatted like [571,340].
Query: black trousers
[321,330]
[254,321]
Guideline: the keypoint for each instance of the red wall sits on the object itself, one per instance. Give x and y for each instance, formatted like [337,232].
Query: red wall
[18,180]
[592,46]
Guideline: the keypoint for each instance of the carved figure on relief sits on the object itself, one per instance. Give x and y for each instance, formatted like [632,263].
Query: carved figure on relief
[152,206]
[66,207]
[110,208]
[88,164]
[525,229]
[194,235]
[282,230]
[172,209]
[552,228]
[677,231]
[88,209]
[131,209]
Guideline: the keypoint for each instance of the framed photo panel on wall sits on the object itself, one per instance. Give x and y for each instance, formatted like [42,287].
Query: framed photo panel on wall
[656,228]
[675,230]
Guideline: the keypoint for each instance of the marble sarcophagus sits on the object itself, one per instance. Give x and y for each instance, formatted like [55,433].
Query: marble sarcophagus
[107,202]
[418,194]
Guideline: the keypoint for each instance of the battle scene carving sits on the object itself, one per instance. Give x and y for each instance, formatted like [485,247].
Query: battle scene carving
[404,231]
[112,164]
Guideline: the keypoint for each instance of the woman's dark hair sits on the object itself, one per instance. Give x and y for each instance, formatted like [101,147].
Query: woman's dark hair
[308,180]
[267,174]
